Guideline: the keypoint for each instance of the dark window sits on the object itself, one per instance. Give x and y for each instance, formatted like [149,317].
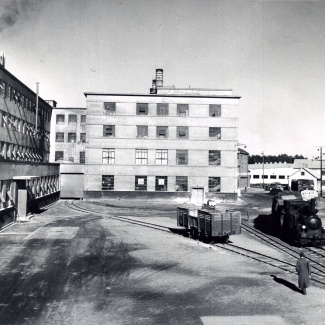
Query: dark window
[58,155]
[142,109]
[214,157]
[109,108]
[215,110]
[256,176]
[181,183]
[282,177]
[83,119]
[215,133]
[162,132]
[82,157]
[162,109]
[214,184]
[182,132]
[109,156]
[109,130]
[161,183]
[142,131]
[107,182]
[72,119]
[83,137]
[72,137]
[140,183]
[265,176]
[273,176]
[141,156]
[60,119]
[182,110]
[181,157]
[59,137]
[302,173]
[161,157]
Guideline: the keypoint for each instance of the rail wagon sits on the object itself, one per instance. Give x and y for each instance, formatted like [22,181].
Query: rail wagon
[209,225]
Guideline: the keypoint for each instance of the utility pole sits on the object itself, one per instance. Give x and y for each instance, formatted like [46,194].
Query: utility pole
[321,170]
[263,168]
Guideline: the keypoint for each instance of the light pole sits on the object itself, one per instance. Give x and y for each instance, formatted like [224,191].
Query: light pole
[263,167]
[321,170]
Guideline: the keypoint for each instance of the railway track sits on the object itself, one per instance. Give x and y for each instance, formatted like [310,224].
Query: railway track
[318,269]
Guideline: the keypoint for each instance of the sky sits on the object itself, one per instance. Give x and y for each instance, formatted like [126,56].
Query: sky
[271,53]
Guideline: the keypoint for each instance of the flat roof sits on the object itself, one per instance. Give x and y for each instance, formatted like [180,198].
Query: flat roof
[160,95]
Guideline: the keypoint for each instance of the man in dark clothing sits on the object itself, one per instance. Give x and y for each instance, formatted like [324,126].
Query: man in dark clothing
[304,272]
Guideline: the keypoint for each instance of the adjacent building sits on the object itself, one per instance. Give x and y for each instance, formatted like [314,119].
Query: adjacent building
[26,177]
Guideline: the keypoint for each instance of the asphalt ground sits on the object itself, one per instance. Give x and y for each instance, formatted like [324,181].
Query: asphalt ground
[68,267]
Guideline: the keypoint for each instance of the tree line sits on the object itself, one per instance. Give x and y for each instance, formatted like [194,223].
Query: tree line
[255,159]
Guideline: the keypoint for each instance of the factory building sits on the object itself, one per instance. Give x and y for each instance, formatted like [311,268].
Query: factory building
[171,142]
[26,178]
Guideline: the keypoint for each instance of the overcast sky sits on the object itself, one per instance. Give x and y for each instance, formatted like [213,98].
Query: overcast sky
[271,53]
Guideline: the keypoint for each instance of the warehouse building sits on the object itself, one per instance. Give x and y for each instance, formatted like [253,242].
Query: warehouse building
[171,142]
[26,178]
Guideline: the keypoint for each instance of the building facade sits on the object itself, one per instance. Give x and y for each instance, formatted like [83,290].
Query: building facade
[24,149]
[68,136]
[173,141]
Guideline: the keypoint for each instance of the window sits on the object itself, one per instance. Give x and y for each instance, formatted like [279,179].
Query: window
[161,157]
[2,89]
[72,137]
[109,156]
[302,173]
[256,176]
[60,119]
[82,157]
[141,156]
[59,137]
[181,183]
[142,131]
[83,119]
[109,108]
[162,132]
[273,176]
[83,137]
[107,182]
[182,110]
[181,157]
[161,183]
[215,110]
[58,155]
[109,130]
[142,109]
[215,133]
[265,176]
[140,183]
[282,177]
[72,119]
[214,184]
[162,110]
[71,159]
[214,157]
[182,132]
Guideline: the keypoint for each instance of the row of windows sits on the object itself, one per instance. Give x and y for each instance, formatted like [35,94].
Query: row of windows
[161,157]
[72,119]
[161,183]
[14,123]
[72,137]
[162,109]
[59,155]
[182,132]
[267,176]
[12,151]
[7,91]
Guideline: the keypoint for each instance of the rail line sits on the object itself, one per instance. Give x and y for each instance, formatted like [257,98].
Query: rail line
[318,270]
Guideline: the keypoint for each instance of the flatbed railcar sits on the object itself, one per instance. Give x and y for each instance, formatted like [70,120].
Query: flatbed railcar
[209,224]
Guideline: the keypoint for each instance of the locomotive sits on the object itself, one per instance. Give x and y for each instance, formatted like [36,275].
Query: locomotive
[300,223]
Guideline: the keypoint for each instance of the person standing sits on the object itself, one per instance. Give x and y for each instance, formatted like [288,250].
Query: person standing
[304,272]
